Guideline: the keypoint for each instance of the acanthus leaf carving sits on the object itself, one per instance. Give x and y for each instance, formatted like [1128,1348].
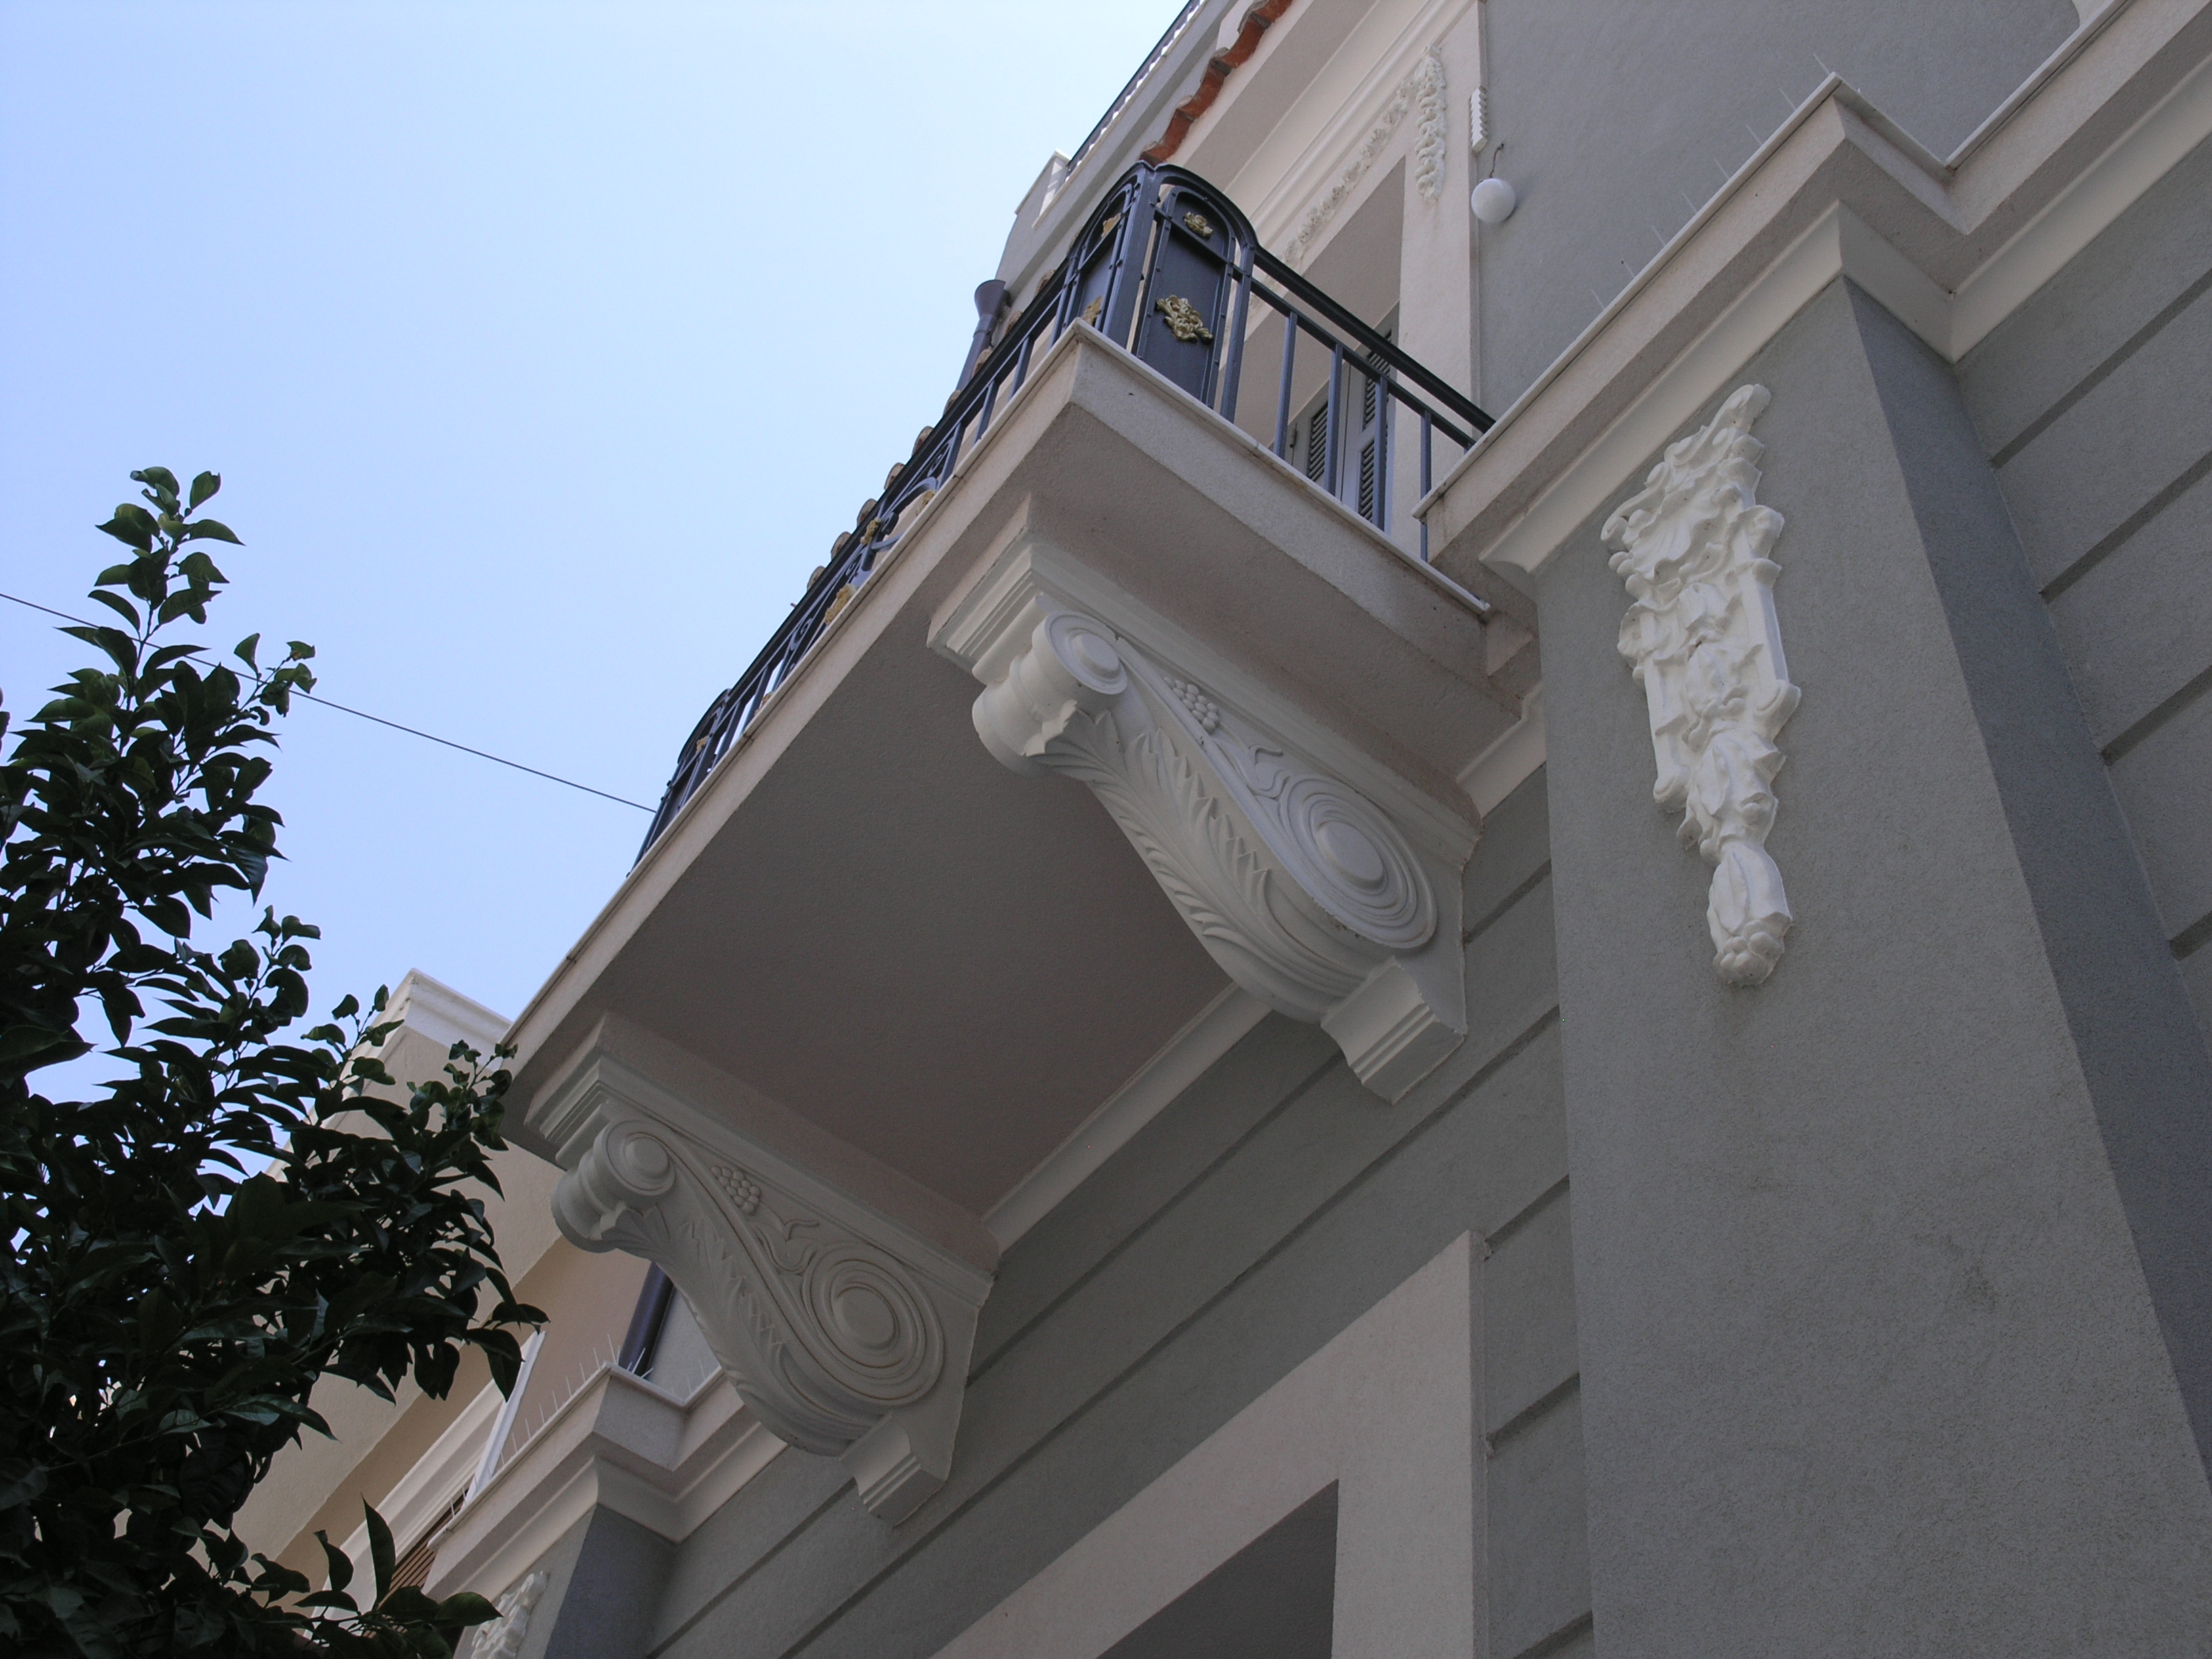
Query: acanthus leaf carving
[1705,644]
[832,1327]
[1300,887]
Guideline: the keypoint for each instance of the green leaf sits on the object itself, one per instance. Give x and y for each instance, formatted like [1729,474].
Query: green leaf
[123,607]
[466,1608]
[409,1603]
[204,488]
[20,1482]
[340,1563]
[27,1048]
[132,524]
[210,530]
[380,1553]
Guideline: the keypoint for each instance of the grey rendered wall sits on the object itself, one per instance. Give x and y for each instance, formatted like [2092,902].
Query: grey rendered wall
[1620,116]
[1256,1218]
[2092,401]
[604,1577]
[1882,1268]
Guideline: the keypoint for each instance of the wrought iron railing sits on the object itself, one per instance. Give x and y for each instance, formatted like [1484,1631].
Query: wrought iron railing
[1167,268]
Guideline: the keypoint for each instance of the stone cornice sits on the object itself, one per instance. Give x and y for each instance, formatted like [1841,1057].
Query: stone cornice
[1838,189]
[620,1443]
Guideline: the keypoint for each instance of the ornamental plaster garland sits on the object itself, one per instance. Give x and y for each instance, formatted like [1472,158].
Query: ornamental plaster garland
[1426,85]
[1706,647]
[1428,156]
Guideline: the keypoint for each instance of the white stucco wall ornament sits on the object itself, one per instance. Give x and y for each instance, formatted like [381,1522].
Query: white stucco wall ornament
[1706,647]
[846,1335]
[1429,154]
[1425,86]
[503,1639]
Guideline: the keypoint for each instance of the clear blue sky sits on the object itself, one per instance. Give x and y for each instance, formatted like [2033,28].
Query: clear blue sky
[544,349]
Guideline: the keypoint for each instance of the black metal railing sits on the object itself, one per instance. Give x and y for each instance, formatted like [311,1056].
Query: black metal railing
[1166,268]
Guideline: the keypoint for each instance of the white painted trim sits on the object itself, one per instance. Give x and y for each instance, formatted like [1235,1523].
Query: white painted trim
[1330,117]
[1389,1411]
[618,1442]
[1182,1060]
[1508,763]
[438,1476]
[442,1014]
[497,1443]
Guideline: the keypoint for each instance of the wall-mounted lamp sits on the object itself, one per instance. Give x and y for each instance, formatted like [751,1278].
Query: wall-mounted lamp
[1493,201]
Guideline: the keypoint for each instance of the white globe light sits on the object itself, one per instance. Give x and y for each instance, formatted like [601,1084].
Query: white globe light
[1493,201]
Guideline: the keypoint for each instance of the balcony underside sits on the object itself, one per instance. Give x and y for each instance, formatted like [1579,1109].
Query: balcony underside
[865,918]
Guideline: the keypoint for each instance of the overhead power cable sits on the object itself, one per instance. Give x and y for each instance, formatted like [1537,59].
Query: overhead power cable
[362,713]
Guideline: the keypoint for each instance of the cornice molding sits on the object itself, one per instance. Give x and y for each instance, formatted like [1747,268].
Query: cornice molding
[1331,115]
[1951,247]
[1706,645]
[846,1333]
[1425,87]
[618,1443]
[1307,891]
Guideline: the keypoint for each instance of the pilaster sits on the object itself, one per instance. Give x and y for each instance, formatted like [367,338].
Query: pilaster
[1891,1249]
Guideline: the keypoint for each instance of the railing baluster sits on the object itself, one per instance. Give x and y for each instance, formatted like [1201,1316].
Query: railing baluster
[1427,434]
[1333,471]
[1283,402]
[1232,349]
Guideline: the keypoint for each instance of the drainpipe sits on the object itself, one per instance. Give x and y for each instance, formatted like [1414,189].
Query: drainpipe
[990,301]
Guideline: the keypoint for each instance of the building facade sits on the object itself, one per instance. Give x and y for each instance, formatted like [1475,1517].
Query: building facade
[1240,1042]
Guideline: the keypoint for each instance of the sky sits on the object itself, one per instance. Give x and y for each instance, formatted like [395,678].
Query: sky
[544,349]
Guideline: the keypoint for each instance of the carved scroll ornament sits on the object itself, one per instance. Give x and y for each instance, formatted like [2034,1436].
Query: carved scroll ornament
[1302,889]
[1706,647]
[840,1345]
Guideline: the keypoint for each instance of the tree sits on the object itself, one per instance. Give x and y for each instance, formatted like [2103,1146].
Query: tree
[234,1215]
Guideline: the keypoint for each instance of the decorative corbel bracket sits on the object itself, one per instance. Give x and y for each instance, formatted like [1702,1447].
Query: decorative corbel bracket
[1705,644]
[847,1334]
[1321,902]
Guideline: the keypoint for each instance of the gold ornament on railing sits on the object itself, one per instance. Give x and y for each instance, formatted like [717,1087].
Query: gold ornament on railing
[1183,321]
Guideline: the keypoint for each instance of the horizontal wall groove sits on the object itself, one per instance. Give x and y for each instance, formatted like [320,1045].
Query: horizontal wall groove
[750,1569]
[2096,377]
[937,1524]
[1526,1213]
[2118,537]
[1523,1420]
[1544,1645]
[2185,944]
[1122,1246]
[2159,716]
[1496,912]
